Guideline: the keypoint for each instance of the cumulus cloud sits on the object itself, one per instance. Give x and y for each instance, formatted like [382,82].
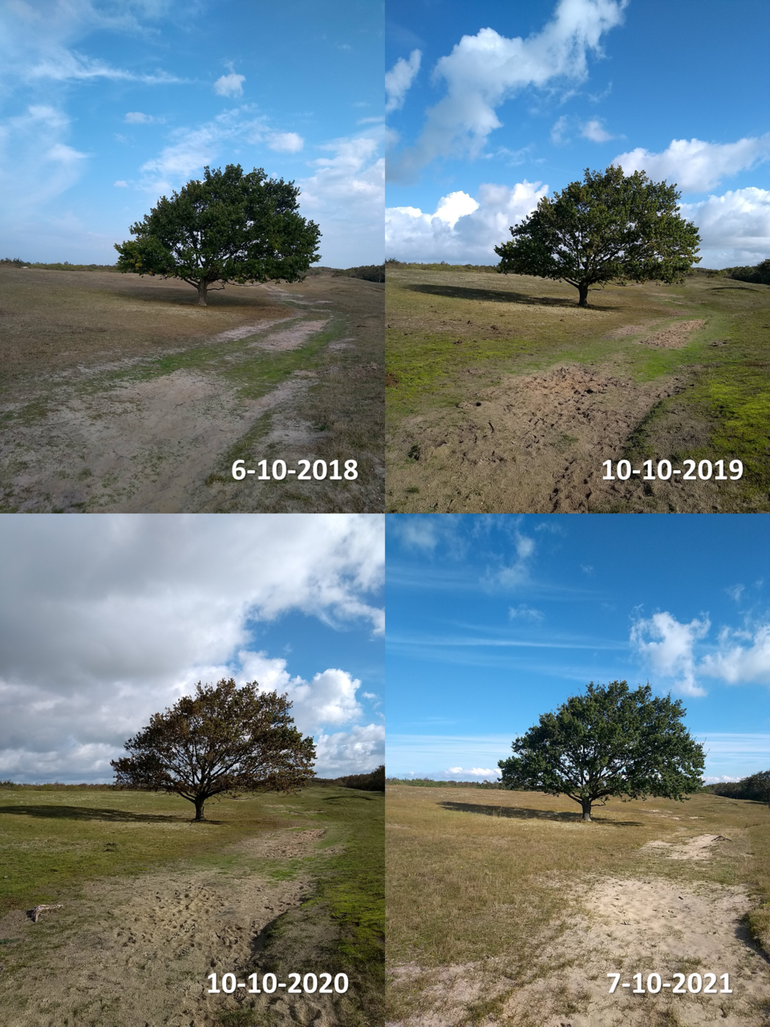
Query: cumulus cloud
[110,620]
[399,79]
[120,184]
[229,85]
[734,228]
[738,663]
[485,772]
[669,650]
[285,142]
[485,70]
[346,195]
[350,752]
[694,165]
[137,118]
[462,229]
[65,154]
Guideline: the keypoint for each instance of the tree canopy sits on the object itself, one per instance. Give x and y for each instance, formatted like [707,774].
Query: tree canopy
[230,227]
[608,741]
[223,739]
[609,227]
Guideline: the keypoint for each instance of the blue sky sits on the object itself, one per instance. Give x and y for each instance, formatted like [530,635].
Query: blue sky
[109,618]
[109,104]
[492,105]
[494,620]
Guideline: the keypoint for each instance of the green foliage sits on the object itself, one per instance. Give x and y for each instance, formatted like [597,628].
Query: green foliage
[609,227]
[230,227]
[760,273]
[223,739]
[369,272]
[608,741]
[756,787]
[371,782]
[427,782]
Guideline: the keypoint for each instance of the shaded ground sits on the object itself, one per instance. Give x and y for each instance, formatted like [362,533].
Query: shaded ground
[504,396]
[123,395]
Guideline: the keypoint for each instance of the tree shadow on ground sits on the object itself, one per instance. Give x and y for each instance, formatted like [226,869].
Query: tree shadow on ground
[90,813]
[175,297]
[459,292]
[524,813]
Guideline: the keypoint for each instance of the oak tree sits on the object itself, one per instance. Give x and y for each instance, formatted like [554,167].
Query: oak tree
[609,227]
[608,741]
[223,739]
[229,227]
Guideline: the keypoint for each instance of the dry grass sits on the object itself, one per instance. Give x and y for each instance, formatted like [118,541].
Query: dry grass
[472,875]
[123,395]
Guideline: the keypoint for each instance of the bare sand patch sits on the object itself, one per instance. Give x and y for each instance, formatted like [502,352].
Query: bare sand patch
[629,926]
[674,337]
[534,443]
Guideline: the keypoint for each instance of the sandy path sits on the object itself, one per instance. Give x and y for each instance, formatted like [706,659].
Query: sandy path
[149,446]
[137,952]
[628,926]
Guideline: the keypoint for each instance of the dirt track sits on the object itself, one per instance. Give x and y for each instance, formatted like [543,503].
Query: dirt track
[137,951]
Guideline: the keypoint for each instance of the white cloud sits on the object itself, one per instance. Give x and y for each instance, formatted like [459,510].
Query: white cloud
[594,131]
[485,772]
[120,184]
[346,195]
[137,118]
[672,655]
[740,664]
[462,229]
[734,228]
[735,592]
[109,620]
[350,752]
[63,65]
[485,70]
[559,130]
[64,154]
[399,79]
[694,165]
[229,85]
[285,142]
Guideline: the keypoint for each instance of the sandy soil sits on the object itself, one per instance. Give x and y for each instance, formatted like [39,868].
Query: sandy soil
[137,952]
[93,426]
[631,925]
[536,443]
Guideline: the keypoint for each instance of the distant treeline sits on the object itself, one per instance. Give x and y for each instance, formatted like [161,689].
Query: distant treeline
[425,782]
[756,787]
[64,266]
[760,273]
[442,266]
[370,272]
[372,782]
[54,786]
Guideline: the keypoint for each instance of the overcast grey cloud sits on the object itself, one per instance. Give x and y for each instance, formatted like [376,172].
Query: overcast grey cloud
[106,619]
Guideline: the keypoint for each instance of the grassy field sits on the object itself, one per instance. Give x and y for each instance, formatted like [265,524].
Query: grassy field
[504,908]
[504,396]
[152,903]
[121,394]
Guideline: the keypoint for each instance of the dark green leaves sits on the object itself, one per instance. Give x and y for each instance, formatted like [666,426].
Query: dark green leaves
[608,741]
[230,227]
[609,227]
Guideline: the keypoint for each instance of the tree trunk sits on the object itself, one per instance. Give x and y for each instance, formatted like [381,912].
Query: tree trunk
[199,808]
[586,804]
[202,287]
[583,302]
